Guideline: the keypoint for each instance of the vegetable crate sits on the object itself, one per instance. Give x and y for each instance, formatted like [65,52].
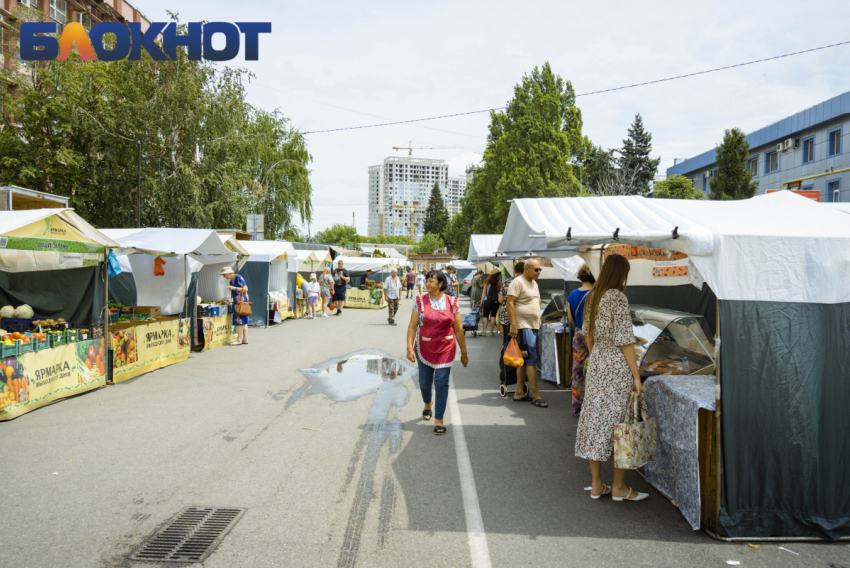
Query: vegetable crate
[17,324]
[10,350]
[57,339]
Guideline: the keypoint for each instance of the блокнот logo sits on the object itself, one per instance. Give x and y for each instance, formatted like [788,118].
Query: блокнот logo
[130,40]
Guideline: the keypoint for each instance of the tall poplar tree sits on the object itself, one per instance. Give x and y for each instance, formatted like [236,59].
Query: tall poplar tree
[635,156]
[529,149]
[733,180]
[436,216]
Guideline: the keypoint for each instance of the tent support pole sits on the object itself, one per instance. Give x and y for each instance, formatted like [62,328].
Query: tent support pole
[714,493]
[185,288]
[105,310]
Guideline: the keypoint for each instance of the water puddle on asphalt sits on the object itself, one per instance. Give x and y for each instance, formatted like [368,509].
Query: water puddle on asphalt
[347,378]
[354,375]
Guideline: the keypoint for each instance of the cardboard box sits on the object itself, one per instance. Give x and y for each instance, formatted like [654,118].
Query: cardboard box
[154,311]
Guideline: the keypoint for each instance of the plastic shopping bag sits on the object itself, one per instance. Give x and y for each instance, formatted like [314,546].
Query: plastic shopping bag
[513,355]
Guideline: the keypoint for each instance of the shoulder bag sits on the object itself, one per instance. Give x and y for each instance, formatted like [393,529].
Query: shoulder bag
[242,307]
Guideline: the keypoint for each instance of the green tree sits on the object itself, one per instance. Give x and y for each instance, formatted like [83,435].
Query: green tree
[429,243]
[387,240]
[338,234]
[635,156]
[436,216]
[529,148]
[677,187]
[597,165]
[456,235]
[732,180]
[208,157]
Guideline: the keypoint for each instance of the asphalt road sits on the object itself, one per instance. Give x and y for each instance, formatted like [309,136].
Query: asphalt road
[332,473]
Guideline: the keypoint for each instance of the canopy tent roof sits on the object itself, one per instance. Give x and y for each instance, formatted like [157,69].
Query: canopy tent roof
[267,251]
[362,263]
[389,252]
[233,244]
[843,207]
[774,247]
[462,265]
[342,251]
[482,248]
[164,240]
[14,220]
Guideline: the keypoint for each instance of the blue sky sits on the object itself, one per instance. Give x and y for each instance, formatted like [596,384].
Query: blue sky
[411,60]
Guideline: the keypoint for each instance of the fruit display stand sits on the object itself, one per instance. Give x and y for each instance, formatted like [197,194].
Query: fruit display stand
[52,260]
[144,345]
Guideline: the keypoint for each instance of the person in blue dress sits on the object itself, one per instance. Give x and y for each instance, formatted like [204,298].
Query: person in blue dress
[575,314]
[238,293]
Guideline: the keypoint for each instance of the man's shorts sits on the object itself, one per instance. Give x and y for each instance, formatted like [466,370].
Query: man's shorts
[529,345]
[410,285]
[339,294]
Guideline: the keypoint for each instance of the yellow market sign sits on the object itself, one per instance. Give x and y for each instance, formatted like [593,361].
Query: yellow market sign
[139,349]
[218,331]
[10,242]
[35,379]
[51,228]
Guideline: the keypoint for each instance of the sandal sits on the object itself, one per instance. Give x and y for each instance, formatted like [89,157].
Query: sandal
[606,490]
[235,343]
[638,496]
[426,414]
[439,430]
[244,342]
[540,403]
[526,398]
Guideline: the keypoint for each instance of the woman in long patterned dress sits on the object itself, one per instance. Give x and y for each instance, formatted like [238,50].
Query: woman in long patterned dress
[238,293]
[612,373]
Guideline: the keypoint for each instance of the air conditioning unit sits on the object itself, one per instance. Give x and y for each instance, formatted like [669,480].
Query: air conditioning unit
[792,143]
[780,147]
[707,174]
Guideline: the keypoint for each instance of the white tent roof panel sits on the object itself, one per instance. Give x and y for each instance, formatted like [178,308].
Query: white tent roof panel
[160,240]
[774,247]
[482,248]
[267,251]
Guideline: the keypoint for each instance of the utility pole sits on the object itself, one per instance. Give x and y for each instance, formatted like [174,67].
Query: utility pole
[138,184]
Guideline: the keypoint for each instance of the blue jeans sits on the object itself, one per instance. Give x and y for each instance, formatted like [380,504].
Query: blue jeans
[439,379]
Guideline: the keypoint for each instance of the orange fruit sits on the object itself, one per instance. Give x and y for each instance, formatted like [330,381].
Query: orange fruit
[88,363]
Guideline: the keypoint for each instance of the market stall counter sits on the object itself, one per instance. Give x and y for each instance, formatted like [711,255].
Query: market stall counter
[53,345]
[139,344]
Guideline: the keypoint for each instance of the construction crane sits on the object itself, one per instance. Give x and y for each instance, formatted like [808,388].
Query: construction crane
[413,209]
[410,148]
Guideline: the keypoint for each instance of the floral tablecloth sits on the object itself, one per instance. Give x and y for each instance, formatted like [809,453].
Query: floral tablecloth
[548,356]
[674,401]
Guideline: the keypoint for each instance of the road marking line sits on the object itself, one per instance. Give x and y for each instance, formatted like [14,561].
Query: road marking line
[478,550]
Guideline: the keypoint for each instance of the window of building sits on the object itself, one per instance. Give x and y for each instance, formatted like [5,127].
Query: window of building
[85,20]
[833,191]
[753,166]
[57,11]
[771,162]
[809,187]
[808,149]
[30,3]
[833,138]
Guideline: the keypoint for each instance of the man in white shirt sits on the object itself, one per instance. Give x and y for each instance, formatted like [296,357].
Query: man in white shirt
[392,288]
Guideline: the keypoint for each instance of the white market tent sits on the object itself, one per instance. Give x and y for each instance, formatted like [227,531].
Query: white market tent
[359,264]
[484,248]
[389,252]
[271,267]
[202,251]
[778,265]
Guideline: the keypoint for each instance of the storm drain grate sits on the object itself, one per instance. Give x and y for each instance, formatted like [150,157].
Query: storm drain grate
[191,536]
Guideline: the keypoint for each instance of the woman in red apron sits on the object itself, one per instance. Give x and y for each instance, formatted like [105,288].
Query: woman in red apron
[434,330]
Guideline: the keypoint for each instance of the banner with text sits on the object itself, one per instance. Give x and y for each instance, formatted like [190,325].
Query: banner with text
[32,380]
[373,299]
[218,331]
[141,349]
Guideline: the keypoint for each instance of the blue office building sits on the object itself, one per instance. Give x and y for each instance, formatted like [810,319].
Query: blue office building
[804,151]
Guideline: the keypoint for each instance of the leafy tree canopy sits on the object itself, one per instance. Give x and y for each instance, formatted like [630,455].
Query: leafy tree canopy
[733,180]
[339,234]
[208,157]
[429,243]
[677,187]
[529,148]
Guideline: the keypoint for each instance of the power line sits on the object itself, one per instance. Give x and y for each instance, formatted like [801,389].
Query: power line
[583,94]
[363,113]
